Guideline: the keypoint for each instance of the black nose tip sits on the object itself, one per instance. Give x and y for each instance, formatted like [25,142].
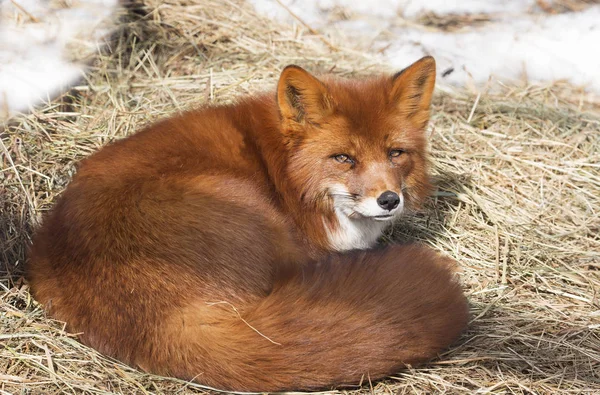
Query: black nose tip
[388,200]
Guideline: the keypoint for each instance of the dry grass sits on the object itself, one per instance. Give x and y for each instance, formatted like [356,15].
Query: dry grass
[453,22]
[457,22]
[560,6]
[518,202]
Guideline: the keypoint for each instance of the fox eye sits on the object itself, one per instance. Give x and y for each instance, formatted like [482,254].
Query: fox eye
[343,158]
[396,153]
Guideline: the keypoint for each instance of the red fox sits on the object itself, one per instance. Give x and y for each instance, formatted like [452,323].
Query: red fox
[232,245]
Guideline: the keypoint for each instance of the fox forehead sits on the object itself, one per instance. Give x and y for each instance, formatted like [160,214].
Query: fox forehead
[364,104]
[364,117]
[373,134]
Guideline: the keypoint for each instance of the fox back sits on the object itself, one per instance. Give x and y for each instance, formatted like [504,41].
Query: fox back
[223,244]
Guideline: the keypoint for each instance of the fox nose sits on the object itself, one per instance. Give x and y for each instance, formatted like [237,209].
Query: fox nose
[388,200]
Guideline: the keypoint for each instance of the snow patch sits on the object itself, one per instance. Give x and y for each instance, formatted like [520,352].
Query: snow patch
[412,8]
[552,48]
[36,45]
[520,42]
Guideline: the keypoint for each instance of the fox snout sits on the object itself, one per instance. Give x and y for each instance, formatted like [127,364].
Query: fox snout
[383,206]
[379,191]
[388,200]
[380,206]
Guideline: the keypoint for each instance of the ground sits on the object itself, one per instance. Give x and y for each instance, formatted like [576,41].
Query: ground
[517,200]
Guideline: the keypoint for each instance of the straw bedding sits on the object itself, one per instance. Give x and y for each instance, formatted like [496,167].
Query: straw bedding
[517,203]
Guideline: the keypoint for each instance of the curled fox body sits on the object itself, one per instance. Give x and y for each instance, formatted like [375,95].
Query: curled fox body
[232,245]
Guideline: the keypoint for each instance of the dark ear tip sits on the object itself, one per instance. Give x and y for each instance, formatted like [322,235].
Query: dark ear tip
[427,61]
[291,68]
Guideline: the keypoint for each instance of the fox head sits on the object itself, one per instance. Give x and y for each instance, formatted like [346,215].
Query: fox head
[358,146]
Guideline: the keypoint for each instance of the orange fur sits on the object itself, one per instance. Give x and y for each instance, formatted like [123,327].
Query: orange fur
[204,246]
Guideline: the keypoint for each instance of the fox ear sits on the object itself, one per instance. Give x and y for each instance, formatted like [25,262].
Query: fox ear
[412,89]
[302,97]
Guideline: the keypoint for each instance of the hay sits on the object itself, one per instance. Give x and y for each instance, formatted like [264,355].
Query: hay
[518,202]
[463,22]
[453,22]
[560,6]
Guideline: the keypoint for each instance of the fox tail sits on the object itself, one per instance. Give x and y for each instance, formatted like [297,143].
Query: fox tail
[352,317]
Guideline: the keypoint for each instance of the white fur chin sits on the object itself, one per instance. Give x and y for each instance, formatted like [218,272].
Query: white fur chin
[353,234]
[358,226]
[368,207]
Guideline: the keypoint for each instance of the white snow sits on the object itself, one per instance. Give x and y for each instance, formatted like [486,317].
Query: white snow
[315,12]
[564,46]
[412,8]
[35,40]
[519,42]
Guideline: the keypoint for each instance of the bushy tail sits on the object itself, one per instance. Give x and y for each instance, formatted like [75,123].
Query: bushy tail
[352,317]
